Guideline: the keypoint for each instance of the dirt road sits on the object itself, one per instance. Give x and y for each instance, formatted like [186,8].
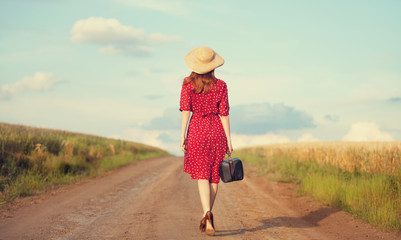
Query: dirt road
[154,199]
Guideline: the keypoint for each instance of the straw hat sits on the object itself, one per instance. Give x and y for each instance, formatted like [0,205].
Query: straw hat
[203,59]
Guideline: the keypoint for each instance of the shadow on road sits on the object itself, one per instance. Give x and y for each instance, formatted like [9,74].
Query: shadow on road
[312,219]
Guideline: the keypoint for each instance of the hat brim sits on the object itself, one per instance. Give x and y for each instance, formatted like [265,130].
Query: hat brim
[201,68]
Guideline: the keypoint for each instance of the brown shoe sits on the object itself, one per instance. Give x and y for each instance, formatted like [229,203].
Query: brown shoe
[202,225]
[211,218]
[209,224]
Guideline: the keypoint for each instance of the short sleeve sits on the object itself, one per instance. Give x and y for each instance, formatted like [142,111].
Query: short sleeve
[185,100]
[224,107]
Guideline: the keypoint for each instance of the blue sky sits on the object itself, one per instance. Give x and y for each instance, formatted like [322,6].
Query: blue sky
[295,70]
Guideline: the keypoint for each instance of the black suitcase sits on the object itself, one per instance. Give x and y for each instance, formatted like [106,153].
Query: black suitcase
[231,170]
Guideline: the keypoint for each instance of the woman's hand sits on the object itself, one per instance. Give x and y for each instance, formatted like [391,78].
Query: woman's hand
[183,145]
[229,148]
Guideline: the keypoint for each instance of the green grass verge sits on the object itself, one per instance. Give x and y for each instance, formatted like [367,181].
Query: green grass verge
[374,198]
[33,182]
[33,160]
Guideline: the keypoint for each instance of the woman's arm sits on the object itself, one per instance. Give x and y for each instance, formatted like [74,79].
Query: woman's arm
[226,125]
[184,122]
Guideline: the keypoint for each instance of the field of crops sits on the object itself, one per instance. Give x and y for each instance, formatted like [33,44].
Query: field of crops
[373,157]
[363,178]
[36,159]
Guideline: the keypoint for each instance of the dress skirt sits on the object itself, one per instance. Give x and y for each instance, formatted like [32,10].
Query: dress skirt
[207,145]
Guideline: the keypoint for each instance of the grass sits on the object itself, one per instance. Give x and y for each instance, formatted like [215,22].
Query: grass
[372,194]
[33,160]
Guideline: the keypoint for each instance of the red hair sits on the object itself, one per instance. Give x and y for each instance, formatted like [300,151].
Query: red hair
[202,83]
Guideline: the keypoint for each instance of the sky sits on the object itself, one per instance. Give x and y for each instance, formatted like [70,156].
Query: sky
[295,70]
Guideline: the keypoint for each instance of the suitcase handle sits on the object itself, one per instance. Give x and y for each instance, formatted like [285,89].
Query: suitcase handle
[230,162]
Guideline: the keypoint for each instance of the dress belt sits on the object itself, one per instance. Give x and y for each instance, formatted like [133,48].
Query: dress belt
[206,115]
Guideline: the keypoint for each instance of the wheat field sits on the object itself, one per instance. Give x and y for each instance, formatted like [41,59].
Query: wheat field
[362,178]
[372,157]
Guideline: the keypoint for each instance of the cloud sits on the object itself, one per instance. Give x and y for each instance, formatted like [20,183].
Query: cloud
[332,118]
[366,131]
[307,137]
[116,38]
[105,31]
[256,119]
[165,139]
[394,99]
[164,131]
[243,140]
[263,118]
[171,119]
[170,139]
[173,7]
[250,125]
[40,82]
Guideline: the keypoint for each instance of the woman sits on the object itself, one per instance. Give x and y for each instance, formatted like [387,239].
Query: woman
[208,137]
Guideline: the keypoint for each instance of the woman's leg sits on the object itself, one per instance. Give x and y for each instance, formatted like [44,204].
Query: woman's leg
[204,192]
[213,192]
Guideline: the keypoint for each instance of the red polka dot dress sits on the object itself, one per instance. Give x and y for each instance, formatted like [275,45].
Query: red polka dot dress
[207,141]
